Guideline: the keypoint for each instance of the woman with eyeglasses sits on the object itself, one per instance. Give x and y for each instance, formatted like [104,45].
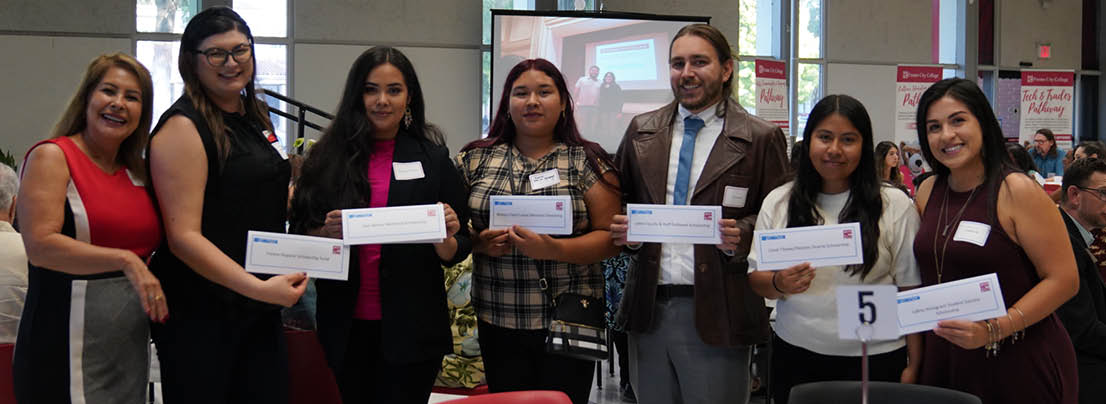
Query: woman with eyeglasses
[89,225]
[218,172]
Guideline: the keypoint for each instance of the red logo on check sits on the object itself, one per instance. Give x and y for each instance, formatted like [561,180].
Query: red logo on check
[847,233]
[984,286]
[337,250]
[708,215]
[560,206]
[431,212]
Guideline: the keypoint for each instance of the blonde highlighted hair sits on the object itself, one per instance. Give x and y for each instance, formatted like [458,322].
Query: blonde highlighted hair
[74,120]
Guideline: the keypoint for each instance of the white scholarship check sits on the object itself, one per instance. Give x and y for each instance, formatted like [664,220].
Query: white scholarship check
[279,253]
[542,214]
[972,299]
[687,224]
[397,224]
[837,244]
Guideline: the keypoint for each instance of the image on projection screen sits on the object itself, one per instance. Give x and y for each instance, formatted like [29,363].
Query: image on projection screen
[615,68]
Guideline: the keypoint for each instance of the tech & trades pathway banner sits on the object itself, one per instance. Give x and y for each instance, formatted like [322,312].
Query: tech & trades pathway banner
[1047,98]
[771,85]
[910,83]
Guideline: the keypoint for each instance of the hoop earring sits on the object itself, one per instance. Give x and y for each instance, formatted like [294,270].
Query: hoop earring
[407,118]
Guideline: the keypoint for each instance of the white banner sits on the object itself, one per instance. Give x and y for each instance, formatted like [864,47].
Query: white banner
[771,85]
[1047,103]
[910,83]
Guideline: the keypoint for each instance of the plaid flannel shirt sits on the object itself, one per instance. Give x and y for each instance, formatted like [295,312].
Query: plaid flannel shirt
[506,289]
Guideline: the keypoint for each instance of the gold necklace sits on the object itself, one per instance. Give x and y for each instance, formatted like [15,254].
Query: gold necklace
[942,215]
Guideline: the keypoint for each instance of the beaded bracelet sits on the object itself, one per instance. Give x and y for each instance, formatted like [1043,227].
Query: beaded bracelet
[989,346]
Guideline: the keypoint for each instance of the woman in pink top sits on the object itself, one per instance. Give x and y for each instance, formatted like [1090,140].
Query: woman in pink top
[386,329]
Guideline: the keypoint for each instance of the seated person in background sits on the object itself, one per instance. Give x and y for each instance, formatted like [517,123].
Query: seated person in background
[1046,154]
[1085,149]
[13,259]
[1084,316]
[1021,159]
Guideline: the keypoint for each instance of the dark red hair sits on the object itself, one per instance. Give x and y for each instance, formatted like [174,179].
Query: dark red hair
[503,130]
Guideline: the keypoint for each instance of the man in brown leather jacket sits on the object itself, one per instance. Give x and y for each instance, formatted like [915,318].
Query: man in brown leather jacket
[690,313]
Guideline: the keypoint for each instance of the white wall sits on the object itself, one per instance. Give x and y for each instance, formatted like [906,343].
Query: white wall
[878,31]
[874,86]
[41,74]
[1024,23]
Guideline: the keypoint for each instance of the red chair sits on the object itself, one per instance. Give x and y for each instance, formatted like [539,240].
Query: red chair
[519,397]
[312,382]
[7,386]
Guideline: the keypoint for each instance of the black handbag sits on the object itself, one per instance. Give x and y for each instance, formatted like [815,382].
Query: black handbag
[577,327]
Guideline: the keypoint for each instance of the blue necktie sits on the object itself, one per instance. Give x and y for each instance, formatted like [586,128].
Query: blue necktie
[692,124]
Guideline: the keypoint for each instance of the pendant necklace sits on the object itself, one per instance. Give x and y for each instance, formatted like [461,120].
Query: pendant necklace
[946,225]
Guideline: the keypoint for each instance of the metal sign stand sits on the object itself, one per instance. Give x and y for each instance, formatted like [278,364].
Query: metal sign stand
[864,332]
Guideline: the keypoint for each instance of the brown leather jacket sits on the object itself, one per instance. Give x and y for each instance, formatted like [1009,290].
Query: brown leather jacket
[750,153]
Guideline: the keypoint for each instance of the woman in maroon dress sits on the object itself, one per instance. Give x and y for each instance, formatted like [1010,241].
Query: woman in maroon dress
[979,215]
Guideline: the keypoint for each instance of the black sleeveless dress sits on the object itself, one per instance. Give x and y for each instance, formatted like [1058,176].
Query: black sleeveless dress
[1038,369]
[219,346]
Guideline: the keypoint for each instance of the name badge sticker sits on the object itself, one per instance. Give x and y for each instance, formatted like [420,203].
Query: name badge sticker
[545,179]
[972,232]
[273,141]
[408,171]
[734,197]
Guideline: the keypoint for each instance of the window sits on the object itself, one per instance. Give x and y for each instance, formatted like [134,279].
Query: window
[810,91]
[759,36]
[160,57]
[486,70]
[264,19]
[167,16]
[159,24]
[810,29]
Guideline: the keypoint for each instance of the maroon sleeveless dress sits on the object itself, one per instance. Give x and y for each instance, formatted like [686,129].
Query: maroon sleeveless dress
[1038,369]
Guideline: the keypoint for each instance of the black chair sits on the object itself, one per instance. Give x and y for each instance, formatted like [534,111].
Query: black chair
[878,393]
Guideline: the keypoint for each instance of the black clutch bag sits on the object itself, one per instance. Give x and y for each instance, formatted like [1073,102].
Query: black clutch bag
[577,328]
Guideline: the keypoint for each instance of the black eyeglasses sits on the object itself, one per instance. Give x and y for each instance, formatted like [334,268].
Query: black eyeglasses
[218,56]
[1098,193]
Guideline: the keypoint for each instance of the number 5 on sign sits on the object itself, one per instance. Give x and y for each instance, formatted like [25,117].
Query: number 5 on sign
[867,311]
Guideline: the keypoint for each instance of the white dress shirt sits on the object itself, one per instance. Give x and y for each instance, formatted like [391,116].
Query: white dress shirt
[13,281]
[678,259]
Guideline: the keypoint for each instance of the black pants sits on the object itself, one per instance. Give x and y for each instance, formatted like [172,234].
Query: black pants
[792,366]
[367,377]
[621,345]
[515,360]
[222,353]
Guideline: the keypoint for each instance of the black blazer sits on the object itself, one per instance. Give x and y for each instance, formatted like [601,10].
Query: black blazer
[1084,316]
[415,325]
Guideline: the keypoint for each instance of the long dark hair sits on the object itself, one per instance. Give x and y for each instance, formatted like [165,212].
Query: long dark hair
[1047,133]
[996,161]
[503,130]
[1021,158]
[213,21]
[865,204]
[334,174]
[882,148]
[717,41]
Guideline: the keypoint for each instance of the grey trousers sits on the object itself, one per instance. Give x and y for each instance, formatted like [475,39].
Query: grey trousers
[671,364]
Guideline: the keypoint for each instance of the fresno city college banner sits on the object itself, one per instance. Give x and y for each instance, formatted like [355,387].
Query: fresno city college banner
[771,85]
[910,83]
[1047,102]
